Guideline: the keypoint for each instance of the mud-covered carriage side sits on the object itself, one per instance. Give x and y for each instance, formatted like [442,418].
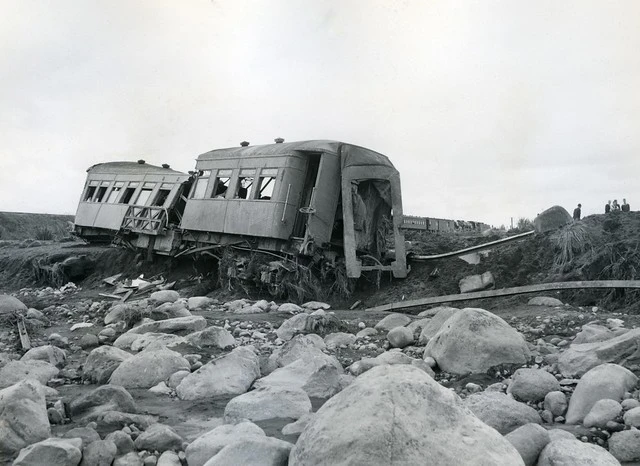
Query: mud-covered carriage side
[304,198]
[135,199]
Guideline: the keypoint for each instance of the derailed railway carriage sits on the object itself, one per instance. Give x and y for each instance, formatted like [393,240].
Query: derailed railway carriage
[308,199]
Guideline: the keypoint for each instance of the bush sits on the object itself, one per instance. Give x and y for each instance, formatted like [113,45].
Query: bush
[44,234]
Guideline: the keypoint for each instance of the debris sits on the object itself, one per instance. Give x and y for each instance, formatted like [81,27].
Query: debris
[507,292]
[355,305]
[81,325]
[24,336]
[112,279]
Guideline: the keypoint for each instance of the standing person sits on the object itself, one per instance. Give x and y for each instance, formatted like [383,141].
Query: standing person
[625,206]
[577,212]
[607,207]
[615,207]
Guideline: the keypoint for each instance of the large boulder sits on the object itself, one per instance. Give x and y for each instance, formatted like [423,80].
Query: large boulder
[254,451]
[17,371]
[293,326]
[23,416]
[177,325]
[474,340]
[211,337]
[208,445]
[476,282]
[382,418]
[118,312]
[49,353]
[297,348]
[532,384]
[529,440]
[101,363]
[552,219]
[544,301]
[164,296]
[52,452]
[604,381]
[392,321]
[400,337]
[603,411]
[317,374]
[9,304]
[231,374]
[100,400]
[572,452]
[579,358]
[268,403]
[335,340]
[625,445]
[592,333]
[99,453]
[146,369]
[501,412]
[436,322]
[155,341]
[159,437]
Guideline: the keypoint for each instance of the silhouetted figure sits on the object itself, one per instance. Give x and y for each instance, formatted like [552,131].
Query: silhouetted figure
[577,212]
[625,206]
[607,207]
[615,207]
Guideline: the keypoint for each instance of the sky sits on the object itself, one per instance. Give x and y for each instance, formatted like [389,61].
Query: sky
[489,109]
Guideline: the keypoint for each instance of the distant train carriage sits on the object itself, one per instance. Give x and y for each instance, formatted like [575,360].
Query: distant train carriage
[303,198]
[128,196]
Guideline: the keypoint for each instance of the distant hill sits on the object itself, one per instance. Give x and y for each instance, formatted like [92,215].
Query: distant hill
[20,225]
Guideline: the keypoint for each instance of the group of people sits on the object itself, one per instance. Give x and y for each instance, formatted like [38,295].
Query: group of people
[615,207]
[609,207]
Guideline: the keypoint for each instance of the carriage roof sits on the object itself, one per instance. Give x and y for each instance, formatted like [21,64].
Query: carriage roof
[350,155]
[130,168]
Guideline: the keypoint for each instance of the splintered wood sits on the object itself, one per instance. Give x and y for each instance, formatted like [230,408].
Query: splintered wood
[24,336]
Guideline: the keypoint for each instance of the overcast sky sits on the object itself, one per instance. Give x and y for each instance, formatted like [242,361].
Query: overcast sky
[489,109]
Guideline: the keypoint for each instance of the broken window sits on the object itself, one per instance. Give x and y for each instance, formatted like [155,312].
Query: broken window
[143,197]
[128,193]
[91,190]
[102,190]
[266,183]
[115,192]
[200,186]
[221,184]
[161,197]
[244,187]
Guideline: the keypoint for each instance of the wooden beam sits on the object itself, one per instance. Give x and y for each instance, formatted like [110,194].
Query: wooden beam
[507,292]
[479,247]
[24,336]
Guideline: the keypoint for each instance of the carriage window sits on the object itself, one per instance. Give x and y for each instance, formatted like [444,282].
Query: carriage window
[266,183]
[101,192]
[244,189]
[91,190]
[221,184]
[113,195]
[200,185]
[161,197]
[143,197]
[128,194]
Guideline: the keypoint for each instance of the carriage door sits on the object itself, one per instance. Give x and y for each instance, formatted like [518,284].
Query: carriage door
[306,207]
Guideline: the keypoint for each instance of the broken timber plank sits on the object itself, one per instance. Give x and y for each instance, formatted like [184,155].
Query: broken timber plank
[479,247]
[24,336]
[507,292]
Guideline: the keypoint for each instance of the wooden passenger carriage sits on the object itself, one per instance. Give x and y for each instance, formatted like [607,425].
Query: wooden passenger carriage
[304,198]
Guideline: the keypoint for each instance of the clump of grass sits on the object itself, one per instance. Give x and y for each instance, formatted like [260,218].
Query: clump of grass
[569,242]
[43,234]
